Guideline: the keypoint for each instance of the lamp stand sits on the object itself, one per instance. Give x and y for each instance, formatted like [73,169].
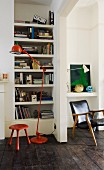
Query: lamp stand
[38,139]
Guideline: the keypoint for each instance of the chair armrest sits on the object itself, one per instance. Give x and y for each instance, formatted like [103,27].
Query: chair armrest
[80,114]
[94,111]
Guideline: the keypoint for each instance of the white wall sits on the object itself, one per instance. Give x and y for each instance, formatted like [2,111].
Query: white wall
[82,47]
[101,52]
[6,60]
[61,9]
[26,12]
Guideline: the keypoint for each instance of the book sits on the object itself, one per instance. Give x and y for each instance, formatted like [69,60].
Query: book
[16,113]
[21,78]
[51,18]
[46,114]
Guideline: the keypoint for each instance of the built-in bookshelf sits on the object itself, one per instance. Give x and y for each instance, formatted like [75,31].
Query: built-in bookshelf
[38,41]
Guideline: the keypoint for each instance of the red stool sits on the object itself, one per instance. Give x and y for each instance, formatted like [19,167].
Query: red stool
[18,127]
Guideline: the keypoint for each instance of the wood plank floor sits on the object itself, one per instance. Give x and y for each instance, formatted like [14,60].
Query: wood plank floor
[77,154]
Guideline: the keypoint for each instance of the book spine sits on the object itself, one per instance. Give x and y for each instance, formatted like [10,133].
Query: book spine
[51,18]
[21,78]
[33,33]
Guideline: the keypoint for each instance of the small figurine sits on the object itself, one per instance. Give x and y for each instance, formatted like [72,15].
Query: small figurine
[79,88]
[89,89]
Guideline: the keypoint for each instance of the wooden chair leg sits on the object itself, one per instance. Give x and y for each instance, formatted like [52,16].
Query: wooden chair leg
[75,122]
[28,140]
[10,140]
[17,141]
[91,129]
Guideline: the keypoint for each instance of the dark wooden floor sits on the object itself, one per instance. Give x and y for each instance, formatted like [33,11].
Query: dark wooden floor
[77,154]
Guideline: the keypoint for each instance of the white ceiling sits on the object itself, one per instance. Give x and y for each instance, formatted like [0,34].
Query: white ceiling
[34,2]
[85,3]
[81,3]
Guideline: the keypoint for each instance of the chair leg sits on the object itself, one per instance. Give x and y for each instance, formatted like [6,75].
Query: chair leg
[75,122]
[10,140]
[91,129]
[28,140]
[17,141]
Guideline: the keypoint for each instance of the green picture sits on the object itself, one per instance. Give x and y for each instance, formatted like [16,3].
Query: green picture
[80,75]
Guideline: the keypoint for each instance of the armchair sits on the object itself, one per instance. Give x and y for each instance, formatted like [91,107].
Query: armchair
[84,117]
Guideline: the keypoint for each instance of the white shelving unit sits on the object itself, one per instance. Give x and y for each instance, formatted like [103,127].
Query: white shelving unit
[48,87]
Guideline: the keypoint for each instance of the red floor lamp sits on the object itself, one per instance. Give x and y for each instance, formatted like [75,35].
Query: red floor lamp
[16,49]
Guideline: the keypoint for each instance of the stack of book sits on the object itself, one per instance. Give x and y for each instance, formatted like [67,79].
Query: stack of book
[21,64]
[22,112]
[31,49]
[21,34]
[46,114]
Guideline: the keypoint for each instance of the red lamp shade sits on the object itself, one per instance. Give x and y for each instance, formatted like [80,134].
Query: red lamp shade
[16,49]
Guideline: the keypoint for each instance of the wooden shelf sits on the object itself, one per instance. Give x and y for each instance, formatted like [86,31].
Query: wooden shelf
[82,94]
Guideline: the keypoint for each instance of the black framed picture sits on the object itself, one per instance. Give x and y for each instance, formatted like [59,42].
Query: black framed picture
[80,75]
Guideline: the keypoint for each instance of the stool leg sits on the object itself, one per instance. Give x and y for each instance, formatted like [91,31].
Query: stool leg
[27,136]
[10,140]
[17,141]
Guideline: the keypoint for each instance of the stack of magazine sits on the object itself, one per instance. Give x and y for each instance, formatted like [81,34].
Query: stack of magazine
[47,114]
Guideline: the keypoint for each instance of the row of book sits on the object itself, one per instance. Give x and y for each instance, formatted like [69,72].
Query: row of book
[23,112]
[28,64]
[21,78]
[26,96]
[32,33]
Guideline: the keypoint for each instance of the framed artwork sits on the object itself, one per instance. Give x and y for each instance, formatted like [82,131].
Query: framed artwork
[80,75]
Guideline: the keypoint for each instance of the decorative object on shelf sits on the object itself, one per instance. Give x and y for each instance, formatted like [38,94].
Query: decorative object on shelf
[3,76]
[39,20]
[89,89]
[16,49]
[79,75]
[34,98]
[79,88]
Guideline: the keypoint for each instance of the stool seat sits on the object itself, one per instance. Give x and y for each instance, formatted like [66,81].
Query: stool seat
[18,127]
